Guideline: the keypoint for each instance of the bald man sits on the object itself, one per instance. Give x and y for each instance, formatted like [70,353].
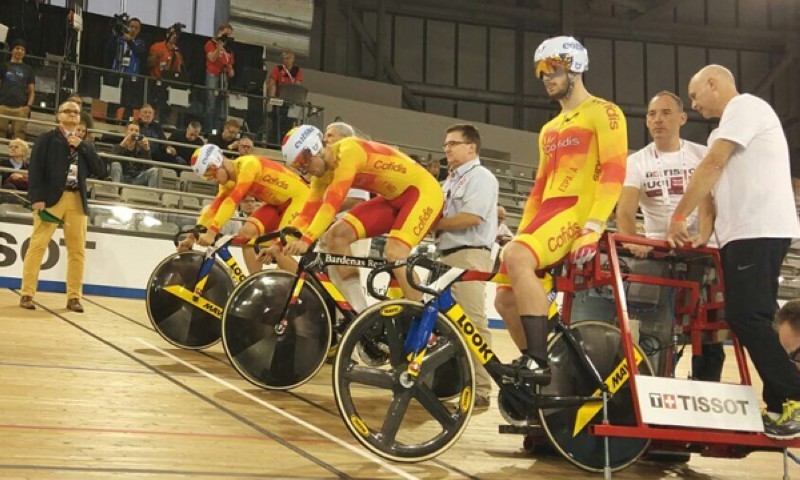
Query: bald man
[747,171]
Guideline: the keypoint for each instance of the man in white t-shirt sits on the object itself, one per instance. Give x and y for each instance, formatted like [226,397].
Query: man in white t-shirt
[747,169]
[656,179]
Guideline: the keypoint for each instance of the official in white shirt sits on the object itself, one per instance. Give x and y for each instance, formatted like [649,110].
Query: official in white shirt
[747,169]
[656,179]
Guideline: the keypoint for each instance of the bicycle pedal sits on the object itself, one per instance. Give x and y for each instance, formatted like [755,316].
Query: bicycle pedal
[540,376]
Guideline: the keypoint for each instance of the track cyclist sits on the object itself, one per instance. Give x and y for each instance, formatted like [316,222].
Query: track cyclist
[282,191]
[408,202]
[582,156]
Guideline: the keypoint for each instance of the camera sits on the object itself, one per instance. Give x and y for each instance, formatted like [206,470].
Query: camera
[176,28]
[120,24]
[138,138]
[225,39]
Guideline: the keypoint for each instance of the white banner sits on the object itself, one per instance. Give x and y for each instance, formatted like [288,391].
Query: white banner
[116,264]
[691,403]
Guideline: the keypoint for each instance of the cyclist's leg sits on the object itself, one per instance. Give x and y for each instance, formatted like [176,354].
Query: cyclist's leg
[266,218]
[543,242]
[416,215]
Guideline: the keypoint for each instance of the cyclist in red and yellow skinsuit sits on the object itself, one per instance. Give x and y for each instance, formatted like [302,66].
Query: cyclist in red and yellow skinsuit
[281,190]
[582,155]
[408,204]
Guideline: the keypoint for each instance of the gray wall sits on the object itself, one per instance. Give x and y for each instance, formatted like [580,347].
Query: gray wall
[474,62]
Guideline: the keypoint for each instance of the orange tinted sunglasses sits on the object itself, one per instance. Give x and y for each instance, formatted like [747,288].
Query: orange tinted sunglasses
[549,66]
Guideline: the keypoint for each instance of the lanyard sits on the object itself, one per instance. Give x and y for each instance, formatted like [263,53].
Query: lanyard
[288,73]
[664,179]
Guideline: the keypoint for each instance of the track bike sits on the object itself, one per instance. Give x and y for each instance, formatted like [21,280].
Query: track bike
[187,291]
[278,328]
[394,411]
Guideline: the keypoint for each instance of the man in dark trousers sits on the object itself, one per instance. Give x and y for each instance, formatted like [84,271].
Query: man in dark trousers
[59,165]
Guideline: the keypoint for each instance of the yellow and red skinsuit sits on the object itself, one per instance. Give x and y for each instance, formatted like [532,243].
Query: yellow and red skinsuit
[582,157]
[409,199]
[283,192]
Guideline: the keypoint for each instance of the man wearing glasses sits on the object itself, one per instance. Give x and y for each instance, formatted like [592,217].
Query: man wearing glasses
[408,202]
[582,154]
[466,232]
[282,191]
[59,165]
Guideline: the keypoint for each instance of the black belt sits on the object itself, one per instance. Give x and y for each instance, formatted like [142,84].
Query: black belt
[449,251]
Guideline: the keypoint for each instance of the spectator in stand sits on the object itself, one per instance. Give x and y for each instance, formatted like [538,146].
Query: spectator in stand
[124,53]
[164,61]
[82,130]
[244,146]
[219,69]
[150,128]
[86,118]
[18,160]
[26,24]
[59,166]
[189,136]
[504,234]
[247,206]
[228,138]
[17,84]
[285,73]
[134,145]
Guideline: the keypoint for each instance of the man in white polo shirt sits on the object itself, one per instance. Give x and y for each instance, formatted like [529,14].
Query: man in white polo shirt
[747,169]
[655,180]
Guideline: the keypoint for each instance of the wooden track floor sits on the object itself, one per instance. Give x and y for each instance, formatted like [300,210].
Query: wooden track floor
[100,395]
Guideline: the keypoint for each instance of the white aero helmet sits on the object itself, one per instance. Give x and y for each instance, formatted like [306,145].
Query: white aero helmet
[298,139]
[206,156]
[565,50]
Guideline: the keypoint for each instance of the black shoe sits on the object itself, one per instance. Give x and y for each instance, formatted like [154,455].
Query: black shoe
[526,368]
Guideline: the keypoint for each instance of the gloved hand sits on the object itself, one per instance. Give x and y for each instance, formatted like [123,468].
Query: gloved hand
[584,247]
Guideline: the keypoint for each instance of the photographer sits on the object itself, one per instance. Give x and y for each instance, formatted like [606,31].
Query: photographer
[124,53]
[134,145]
[165,63]
[228,138]
[219,70]
[285,73]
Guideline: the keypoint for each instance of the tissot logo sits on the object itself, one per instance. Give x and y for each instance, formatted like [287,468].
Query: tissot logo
[698,403]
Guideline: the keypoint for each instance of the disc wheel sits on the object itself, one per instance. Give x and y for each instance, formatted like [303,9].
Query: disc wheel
[391,413]
[178,321]
[569,435]
[268,353]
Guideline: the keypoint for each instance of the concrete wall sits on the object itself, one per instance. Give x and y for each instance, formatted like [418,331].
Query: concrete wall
[397,126]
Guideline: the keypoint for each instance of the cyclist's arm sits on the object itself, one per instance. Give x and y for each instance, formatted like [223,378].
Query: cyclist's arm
[211,211]
[331,202]
[311,205]
[612,146]
[247,176]
[537,192]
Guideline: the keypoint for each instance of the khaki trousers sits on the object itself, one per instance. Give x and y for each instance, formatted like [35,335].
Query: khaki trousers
[472,298]
[19,126]
[70,209]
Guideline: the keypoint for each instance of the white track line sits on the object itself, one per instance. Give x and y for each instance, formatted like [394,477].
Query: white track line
[287,415]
